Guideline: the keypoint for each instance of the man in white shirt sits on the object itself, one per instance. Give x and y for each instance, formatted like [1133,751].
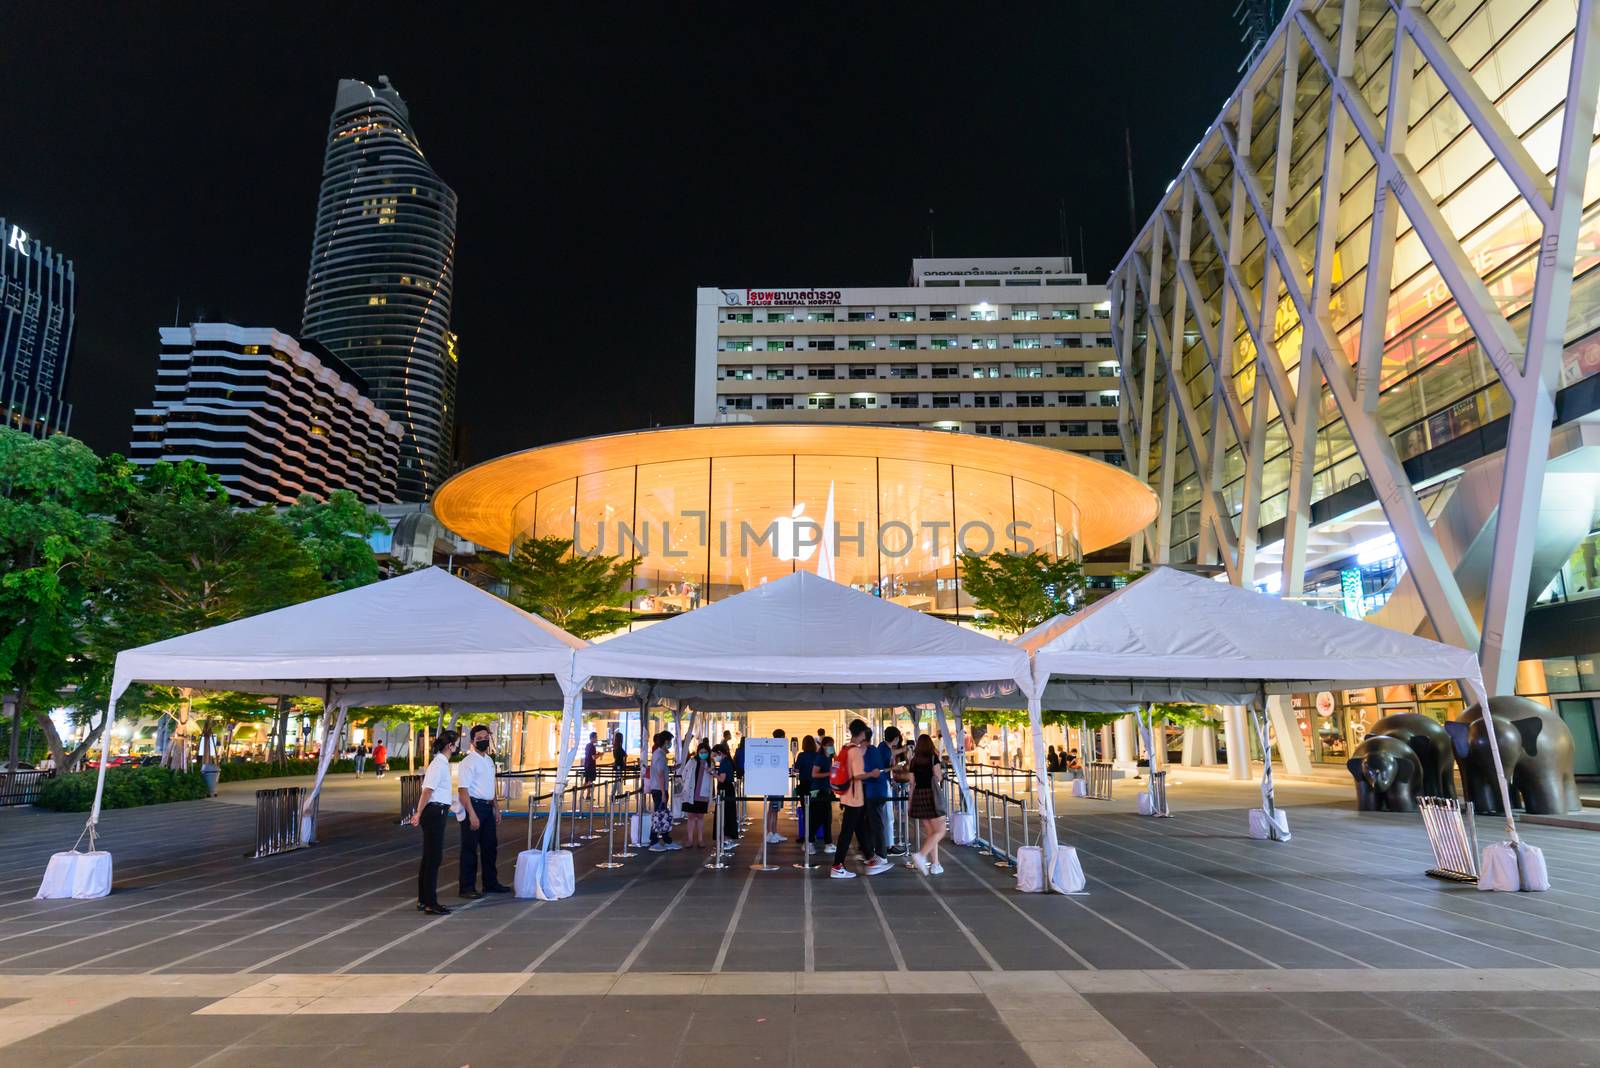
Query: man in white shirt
[479,838]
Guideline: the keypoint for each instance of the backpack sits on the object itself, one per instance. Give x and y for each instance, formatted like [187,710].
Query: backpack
[839,774]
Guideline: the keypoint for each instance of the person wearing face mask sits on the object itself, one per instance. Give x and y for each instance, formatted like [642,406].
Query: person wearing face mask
[433,806]
[822,797]
[699,779]
[480,827]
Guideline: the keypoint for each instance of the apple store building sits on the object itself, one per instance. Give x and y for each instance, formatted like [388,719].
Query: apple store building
[710,511]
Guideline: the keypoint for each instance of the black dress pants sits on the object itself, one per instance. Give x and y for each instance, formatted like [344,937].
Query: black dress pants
[432,821]
[483,842]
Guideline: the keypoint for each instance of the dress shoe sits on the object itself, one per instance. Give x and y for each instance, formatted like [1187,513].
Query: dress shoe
[435,910]
[469,894]
[497,890]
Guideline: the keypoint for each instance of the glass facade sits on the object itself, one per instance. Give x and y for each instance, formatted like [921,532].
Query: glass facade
[708,527]
[1437,387]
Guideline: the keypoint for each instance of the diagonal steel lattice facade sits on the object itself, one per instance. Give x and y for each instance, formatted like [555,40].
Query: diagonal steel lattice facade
[1447,149]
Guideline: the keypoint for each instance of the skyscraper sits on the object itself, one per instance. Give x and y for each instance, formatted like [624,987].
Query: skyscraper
[383,271]
[38,300]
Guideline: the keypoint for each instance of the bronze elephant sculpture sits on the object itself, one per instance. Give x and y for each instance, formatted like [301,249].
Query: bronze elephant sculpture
[1388,774]
[1535,749]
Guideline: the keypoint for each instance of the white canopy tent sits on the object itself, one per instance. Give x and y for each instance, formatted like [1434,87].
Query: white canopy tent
[420,638]
[807,642]
[1175,636]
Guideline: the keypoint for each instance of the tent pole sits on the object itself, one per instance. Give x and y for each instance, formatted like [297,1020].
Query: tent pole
[330,744]
[1047,801]
[100,774]
[1480,696]
[958,757]
[1269,806]
[571,716]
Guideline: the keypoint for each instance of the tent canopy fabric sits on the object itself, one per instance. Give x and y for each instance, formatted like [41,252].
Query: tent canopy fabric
[1175,636]
[423,637]
[803,640]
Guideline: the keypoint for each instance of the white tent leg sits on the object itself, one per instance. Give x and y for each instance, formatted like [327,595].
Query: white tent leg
[100,776]
[1269,806]
[571,719]
[958,757]
[1047,802]
[330,743]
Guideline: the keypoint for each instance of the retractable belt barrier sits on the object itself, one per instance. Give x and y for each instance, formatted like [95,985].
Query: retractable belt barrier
[1099,781]
[278,820]
[1453,836]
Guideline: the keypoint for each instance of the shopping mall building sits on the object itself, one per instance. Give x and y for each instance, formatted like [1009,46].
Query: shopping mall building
[1359,342]
[711,511]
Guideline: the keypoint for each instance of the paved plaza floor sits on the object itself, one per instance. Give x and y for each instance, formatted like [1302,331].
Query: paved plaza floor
[1195,945]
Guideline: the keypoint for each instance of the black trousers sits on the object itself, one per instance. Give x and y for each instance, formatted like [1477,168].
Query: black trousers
[432,822]
[730,816]
[483,842]
[854,824]
[821,825]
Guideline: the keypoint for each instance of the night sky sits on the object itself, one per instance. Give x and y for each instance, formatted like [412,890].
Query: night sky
[608,161]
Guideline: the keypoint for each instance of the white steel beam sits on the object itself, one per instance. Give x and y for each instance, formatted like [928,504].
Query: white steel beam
[1503,142]
[1436,584]
[1147,395]
[1533,395]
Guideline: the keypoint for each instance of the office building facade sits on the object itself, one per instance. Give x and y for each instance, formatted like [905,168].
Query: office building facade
[38,301]
[382,274]
[1003,348]
[271,417]
[1360,341]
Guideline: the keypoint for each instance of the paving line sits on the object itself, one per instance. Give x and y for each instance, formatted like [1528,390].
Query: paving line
[733,921]
[633,955]
[1322,877]
[1278,901]
[220,919]
[1226,908]
[551,950]
[1068,950]
[982,951]
[170,913]
[888,935]
[1521,911]
[810,927]
[1543,900]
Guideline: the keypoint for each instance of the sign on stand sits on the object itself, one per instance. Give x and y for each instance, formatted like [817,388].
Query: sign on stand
[766,767]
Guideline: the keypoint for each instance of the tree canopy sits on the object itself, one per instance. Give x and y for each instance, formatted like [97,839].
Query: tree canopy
[1015,592]
[586,596]
[335,533]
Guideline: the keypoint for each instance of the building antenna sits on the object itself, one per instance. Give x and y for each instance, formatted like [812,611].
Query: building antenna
[931,253]
[1083,253]
[1061,228]
[176,312]
[1127,153]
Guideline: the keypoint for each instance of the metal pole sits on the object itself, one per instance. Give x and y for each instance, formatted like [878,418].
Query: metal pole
[716,845]
[1005,814]
[611,831]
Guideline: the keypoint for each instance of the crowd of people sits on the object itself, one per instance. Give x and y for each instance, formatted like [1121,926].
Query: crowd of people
[856,777]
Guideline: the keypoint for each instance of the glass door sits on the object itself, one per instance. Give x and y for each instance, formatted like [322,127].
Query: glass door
[1579,715]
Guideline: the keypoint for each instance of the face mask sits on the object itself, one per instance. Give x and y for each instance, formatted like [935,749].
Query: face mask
[830,750]
[482,745]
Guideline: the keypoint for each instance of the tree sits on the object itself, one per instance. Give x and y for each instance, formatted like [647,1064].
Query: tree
[335,533]
[51,493]
[1016,592]
[586,596]
[184,560]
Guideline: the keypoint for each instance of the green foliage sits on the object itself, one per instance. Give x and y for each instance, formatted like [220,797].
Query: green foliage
[1017,719]
[1015,592]
[265,769]
[586,596]
[125,788]
[1181,715]
[186,560]
[335,533]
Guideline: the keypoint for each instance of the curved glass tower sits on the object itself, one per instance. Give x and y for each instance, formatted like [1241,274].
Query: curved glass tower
[382,273]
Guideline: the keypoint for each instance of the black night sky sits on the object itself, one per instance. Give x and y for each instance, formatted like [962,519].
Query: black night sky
[609,159]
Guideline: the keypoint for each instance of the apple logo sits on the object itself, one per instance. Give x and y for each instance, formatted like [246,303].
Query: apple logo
[786,542]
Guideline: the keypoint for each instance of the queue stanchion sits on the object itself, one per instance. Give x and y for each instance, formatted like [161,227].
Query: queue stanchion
[716,863]
[763,866]
[533,799]
[987,849]
[589,788]
[611,860]
[626,852]
[1005,817]
[804,863]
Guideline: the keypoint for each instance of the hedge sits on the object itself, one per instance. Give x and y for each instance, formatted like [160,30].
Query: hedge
[125,788]
[264,769]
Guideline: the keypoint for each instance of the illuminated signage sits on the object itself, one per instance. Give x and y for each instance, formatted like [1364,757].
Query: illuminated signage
[19,240]
[1350,591]
[781,297]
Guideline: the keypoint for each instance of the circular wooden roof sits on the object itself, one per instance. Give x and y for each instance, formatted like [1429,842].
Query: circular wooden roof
[477,504]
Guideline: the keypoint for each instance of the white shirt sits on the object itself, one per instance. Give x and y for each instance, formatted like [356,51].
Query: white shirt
[476,776]
[437,779]
[657,779]
[698,778]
